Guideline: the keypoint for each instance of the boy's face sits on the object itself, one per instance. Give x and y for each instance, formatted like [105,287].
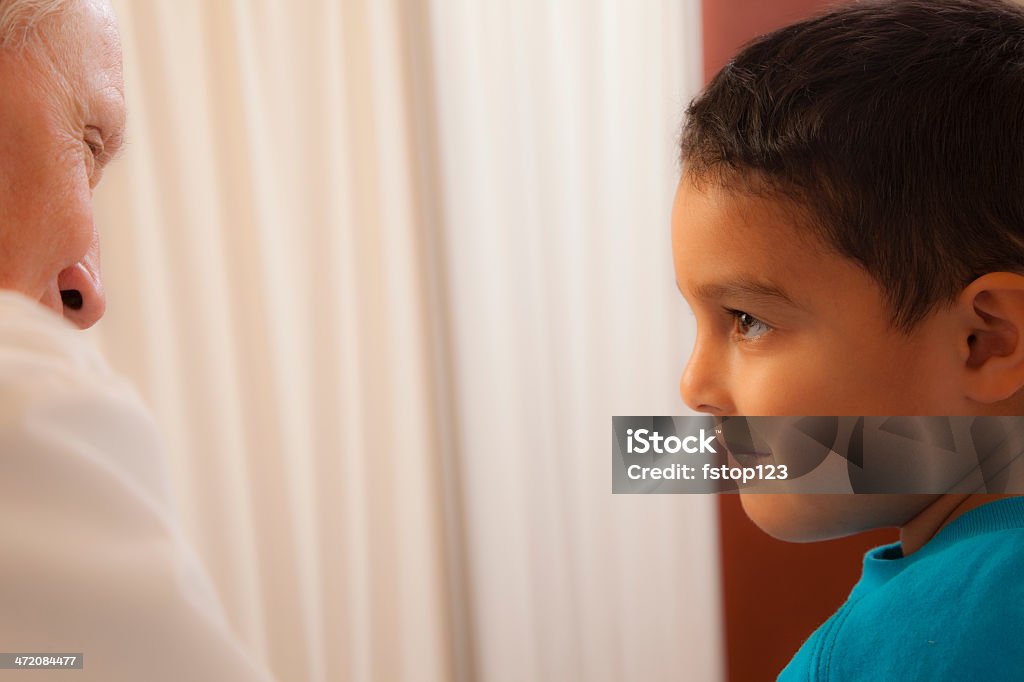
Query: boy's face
[786,326]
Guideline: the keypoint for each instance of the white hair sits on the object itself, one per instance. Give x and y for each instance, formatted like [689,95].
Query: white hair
[18,18]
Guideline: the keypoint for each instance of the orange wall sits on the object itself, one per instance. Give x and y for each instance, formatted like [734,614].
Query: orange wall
[775,593]
[728,24]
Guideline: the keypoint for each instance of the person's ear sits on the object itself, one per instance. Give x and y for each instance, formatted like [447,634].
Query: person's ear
[993,337]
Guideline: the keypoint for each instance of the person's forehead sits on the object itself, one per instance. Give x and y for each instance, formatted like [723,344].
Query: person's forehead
[82,47]
[84,30]
[92,26]
[723,236]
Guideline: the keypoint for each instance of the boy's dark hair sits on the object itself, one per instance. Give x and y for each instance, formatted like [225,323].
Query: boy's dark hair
[896,128]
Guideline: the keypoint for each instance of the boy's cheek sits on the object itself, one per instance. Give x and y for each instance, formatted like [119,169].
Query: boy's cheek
[839,383]
[784,386]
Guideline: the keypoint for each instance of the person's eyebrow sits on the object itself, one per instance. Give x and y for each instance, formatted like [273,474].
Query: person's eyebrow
[744,289]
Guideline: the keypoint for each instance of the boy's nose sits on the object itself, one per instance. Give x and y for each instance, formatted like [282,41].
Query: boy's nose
[701,386]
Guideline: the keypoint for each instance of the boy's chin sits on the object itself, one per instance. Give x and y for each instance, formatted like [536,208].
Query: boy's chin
[809,518]
[784,516]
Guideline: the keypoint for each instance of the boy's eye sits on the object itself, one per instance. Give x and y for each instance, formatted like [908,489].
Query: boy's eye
[747,326]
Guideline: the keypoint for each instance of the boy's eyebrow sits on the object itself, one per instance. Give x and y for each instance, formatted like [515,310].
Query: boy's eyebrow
[743,288]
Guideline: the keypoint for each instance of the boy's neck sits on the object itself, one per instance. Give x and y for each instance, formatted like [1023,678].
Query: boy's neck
[933,518]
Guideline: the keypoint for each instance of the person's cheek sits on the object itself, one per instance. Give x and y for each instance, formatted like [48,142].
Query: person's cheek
[764,385]
[784,384]
[29,242]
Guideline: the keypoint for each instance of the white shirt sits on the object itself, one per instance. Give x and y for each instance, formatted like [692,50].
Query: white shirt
[92,558]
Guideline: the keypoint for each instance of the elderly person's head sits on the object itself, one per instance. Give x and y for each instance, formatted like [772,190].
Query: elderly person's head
[61,120]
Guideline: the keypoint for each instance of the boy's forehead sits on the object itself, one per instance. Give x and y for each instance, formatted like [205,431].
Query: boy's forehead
[732,242]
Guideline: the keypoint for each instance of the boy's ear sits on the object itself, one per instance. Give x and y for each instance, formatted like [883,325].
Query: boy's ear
[993,343]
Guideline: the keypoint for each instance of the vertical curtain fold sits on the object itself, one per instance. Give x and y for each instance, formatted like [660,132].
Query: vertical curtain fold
[384,270]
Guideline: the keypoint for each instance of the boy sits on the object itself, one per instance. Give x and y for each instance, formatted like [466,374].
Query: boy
[849,232]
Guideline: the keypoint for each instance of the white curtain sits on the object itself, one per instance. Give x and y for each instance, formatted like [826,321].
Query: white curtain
[384,271]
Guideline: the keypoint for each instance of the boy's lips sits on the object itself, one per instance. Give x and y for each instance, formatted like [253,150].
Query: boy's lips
[748,459]
[736,439]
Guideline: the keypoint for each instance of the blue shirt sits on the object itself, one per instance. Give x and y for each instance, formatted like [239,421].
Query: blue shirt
[953,610]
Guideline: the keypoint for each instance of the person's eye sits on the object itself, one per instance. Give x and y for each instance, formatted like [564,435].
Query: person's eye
[95,147]
[748,327]
[94,141]
[95,156]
